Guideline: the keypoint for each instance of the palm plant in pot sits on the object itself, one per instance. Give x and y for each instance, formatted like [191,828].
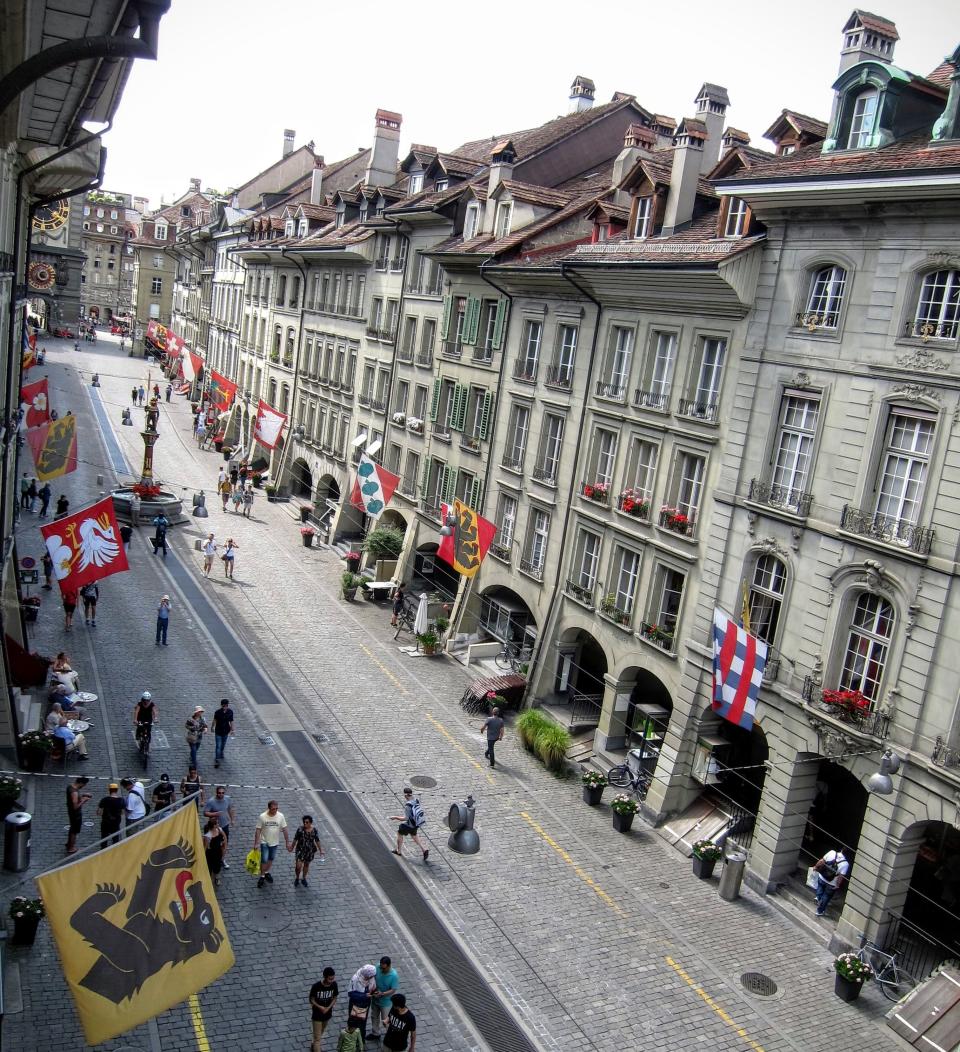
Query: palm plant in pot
[852,973]
[623,808]
[706,854]
[593,785]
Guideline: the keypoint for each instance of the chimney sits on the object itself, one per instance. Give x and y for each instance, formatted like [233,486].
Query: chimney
[316,182]
[382,167]
[582,92]
[195,186]
[502,157]
[288,136]
[867,37]
[637,142]
[712,102]
[688,147]
[732,139]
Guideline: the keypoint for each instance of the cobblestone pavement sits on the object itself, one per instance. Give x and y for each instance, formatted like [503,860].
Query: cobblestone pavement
[596,940]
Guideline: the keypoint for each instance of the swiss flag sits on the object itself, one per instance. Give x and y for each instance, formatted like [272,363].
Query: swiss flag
[85,546]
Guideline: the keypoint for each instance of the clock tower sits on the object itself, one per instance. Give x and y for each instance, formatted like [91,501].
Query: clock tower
[55,264]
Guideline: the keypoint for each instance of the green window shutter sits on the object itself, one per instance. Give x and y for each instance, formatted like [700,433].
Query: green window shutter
[435,401]
[471,322]
[447,312]
[499,323]
[485,416]
[425,478]
[459,415]
[449,485]
[476,491]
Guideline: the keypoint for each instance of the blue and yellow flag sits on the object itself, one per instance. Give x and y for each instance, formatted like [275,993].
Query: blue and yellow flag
[137,926]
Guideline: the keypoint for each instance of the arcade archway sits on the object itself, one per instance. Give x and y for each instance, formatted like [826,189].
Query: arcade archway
[431,573]
[301,478]
[505,616]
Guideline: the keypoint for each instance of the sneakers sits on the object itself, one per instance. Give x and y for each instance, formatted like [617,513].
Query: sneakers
[426,854]
[304,882]
[226,865]
[261,882]
[296,883]
[268,877]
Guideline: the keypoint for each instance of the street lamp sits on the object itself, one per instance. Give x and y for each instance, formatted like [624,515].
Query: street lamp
[463,838]
[881,782]
[449,523]
[200,506]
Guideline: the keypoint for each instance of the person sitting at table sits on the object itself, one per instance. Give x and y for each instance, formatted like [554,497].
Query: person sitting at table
[72,742]
[54,718]
[67,698]
[63,672]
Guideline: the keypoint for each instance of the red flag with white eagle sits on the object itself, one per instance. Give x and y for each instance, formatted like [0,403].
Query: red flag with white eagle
[85,546]
[269,424]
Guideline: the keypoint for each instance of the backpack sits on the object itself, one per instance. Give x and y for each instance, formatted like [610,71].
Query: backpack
[146,806]
[416,810]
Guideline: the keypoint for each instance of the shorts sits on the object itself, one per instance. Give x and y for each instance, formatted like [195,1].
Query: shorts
[76,823]
[408,830]
[268,853]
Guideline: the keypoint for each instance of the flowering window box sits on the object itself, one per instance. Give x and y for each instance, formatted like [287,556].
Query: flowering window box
[415,425]
[609,608]
[598,492]
[633,503]
[852,703]
[660,637]
[675,520]
[399,418]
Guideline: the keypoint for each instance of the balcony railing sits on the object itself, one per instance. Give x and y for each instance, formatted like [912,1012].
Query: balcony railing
[582,594]
[425,286]
[425,359]
[385,335]
[408,486]
[545,473]
[482,355]
[677,521]
[430,506]
[378,405]
[921,329]
[813,320]
[440,431]
[381,263]
[794,500]
[891,531]
[511,462]
[364,398]
[404,354]
[657,635]
[532,568]
[699,410]
[847,707]
[615,392]
[617,614]
[598,492]
[398,262]
[559,376]
[525,370]
[451,349]
[651,399]
[470,442]
[943,755]
[501,551]
[638,507]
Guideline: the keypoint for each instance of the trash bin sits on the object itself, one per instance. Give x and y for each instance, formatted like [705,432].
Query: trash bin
[16,841]
[731,877]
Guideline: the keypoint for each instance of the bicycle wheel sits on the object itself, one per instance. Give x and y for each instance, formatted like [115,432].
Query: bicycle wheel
[620,776]
[897,986]
[504,659]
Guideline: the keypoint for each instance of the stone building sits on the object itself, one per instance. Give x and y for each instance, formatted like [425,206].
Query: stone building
[108,266]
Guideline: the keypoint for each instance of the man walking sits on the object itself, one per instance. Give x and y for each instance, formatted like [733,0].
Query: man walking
[63,506]
[163,619]
[160,537]
[24,490]
[410,822]
[221,806]
[832,872]
[75,801]
[141,394]
[323,996]
[45,494]
[493,726]
[135,802]
[196,726]
[133,396]
[266,838]
[401,1027]
[135,503]
[222,729]
[110,811]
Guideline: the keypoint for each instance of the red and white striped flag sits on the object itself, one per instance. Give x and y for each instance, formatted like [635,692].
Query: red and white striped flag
[738,663]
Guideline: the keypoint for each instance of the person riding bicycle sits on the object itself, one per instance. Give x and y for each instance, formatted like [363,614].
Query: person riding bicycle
[160,537]
[144,717]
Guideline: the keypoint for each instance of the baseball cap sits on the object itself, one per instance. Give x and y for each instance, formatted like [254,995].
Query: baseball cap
[113,785]
[167,597]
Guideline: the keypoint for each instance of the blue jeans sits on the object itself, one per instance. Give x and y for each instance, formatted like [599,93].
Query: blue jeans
[193,752]
[824,893]
[162,623]
[220,741]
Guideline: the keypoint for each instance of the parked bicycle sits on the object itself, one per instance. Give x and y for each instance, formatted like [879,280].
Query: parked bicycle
[509,657]
[404,622]
[623,776]
[893,980]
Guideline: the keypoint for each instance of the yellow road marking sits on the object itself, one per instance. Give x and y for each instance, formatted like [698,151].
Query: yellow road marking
[383,668]
[461,749]
[713,1004]
[203,1045]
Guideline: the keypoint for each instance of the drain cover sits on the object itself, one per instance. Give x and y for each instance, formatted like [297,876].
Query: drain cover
[321,739]
[422,781]
[266,739]
[758,983]
[266,919]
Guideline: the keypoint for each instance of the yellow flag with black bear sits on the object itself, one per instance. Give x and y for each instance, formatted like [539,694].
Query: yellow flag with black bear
[137,926]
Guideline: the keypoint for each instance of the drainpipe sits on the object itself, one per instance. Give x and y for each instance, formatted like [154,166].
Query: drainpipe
[503,364]
[393,361]
[296,363]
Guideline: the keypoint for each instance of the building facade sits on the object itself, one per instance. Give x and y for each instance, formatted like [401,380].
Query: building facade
[109,228]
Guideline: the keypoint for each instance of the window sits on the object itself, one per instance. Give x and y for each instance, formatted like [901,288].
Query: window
[156,286]
[616,369]
[415,183]
[637,494]
[441,184]
[409,340]
[100,213]
[427,341]
[626,570]
[663,612]
[547,466]
[658,372]
[466,481]
[504,212]
[506,526]
[538,535]
[471,221]
[382,251]
[561,372]
[408,485]
[478,417]
[903,470]
[160,231]
[641,227]
[825,300]
[420,401]
[583,578]
[487,330]
[938,306]
[158,262]
[686,492]
[736,218]
[708,374]
[289,228]
[96,264]
[793,452]
[603,456]
[517,437]
[766,597]
[529,351]
[294,300]
[868,642]
[862,120]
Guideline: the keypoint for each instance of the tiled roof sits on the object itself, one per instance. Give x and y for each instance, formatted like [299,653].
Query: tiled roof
[597,178]
[611,210]
[657,168]
[322,212]
[536,195]
[875,22]
[942,74]
[800,122]
[453,164]
[667,122]
[716,92]
[736,133]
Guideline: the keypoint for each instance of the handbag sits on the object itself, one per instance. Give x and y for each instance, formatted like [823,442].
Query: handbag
[812,876]
[252,863]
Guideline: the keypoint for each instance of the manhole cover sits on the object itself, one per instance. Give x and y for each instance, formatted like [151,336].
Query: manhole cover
[758,983]
[266,919]
[321,739]
[128,1048]
[422,781]
[664,885]
[265,739]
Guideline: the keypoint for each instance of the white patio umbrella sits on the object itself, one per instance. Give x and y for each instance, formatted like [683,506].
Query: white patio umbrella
[421,621]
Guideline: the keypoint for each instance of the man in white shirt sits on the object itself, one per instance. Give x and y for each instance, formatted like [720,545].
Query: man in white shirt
[832,871]
[135,805]
[266,839]
[209,552]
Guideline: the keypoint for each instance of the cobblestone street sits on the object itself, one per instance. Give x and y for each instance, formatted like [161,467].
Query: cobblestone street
[592,939]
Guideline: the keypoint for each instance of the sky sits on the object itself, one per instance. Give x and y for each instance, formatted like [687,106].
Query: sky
[232,74]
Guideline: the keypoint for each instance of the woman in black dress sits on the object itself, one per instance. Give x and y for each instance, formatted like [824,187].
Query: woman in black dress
[214,843]
[398,598]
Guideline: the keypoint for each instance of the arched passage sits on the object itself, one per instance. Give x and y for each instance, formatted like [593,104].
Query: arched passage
[433,574]
[581,666]
[835,818]
[328,489]
[505,616]
[392,517]
[301,478]
[932,901]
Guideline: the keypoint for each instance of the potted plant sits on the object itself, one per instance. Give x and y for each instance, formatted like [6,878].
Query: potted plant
[441,624]
[307,533]
[10,789]
[593,785]
[706,854]
[349,583]
[257,478]
[34,748]
[271,492]
[551,745]
[353,561]
[227,451]
[429,640]
[623,808]
[26,915]
[529,724]
[384,542]
[852,973]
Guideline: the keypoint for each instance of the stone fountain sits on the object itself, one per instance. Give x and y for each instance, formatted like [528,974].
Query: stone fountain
[153,498]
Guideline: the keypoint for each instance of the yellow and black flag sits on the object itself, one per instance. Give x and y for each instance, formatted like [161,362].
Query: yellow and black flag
[54,447]
[137,926]
[470,537]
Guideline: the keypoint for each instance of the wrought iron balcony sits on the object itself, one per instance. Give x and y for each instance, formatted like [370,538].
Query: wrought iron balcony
[617,614]
[615,392]
[404,354]
[891,531]
[943,755]
[425,287]
[451,349]
[385,335]
[848,707]
[501,551]
[381,263]
[532,568]
[511,462]
[398,262]
[482,355]
[793,500]
[378,405]
[425,359]
[559,376]
[545,473]
[580,593]
[525,370]
[651,399]
[657,635]
[699,410]
[431,506]
[814,320]
[440,432]
[408,486]
[922,329]
[364,398]
[470,442]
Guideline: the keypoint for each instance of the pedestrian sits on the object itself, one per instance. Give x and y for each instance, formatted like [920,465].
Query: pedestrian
[237,498]
[47,563]
[410,822]
[196,726]
[401,1027]
[32,496]
[229,555]
[75,801]
[266,837]
[221,477]
[234,474]
[156,392]
[141,394]
[209,551]
[90,593]
[191,787]
[135,802]
[351,1038]
[306,844]
[24,489]
[242,473]
[163,793]
[225,490]
[133,396]
[201,432]
[135,505]
[161,522]
[398,598]
[388,984]
[221,806]
[69,598]
[247,501]
[214,845]
[832,871]
[222,729]
[110,810]
[46,492]
[362,986]
[163,619]
[323,996]
[493,726]
[63,506]
[169,391]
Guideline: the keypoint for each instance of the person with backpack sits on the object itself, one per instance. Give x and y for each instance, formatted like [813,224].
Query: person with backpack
[90,593]
[135,802]
[832,871]
[411,821]
[160,537]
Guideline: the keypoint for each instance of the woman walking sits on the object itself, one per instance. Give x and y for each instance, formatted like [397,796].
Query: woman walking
[237,498]
[229,554]
[90,593]
[214,843]
[69,597]
[306,844]
[362,986]
[247,501]
[398,598]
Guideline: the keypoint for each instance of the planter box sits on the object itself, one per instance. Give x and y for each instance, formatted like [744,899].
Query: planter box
[349,594]
[307,540]
[622,823]
[25,930]
[846,989]
[592,794]
[703,868]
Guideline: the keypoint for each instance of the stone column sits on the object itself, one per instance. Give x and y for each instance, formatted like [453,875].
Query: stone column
[611,732]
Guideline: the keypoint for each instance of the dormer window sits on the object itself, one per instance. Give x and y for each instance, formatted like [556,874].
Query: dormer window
[341,216]
[363,212]
[504,212]
[160,231]
[288,228]
[416,182]
[641,226]
[302,228]
[736,218]
[471,221]
[863,119]
[441,184]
